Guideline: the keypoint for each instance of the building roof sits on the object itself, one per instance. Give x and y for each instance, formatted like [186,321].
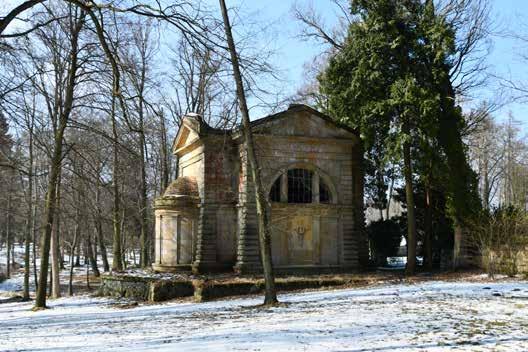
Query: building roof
[263,120]
[200,128]
[302,107]
[182,186]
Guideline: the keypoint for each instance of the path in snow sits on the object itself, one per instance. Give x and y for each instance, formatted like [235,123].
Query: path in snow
[434,316]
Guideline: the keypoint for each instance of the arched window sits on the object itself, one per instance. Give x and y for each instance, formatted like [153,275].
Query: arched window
[300,186]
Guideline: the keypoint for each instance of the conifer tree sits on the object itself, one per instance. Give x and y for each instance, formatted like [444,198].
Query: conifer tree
[391,80]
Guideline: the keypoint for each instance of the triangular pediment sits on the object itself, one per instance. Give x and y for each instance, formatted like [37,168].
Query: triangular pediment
[188,134]
[302,121]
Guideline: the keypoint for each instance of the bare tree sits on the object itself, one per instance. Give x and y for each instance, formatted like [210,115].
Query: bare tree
[75,26]
[487,159]
[137,63]
[260,197]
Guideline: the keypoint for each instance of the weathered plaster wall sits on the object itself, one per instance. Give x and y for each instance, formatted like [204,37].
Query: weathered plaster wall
[175,234]
[225,227]
[192,164]
[217,239]
[331,235]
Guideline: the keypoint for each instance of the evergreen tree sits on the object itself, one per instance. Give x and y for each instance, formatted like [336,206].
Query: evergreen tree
[391,80]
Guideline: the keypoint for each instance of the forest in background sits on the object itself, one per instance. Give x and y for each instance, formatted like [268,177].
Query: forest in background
[92,97]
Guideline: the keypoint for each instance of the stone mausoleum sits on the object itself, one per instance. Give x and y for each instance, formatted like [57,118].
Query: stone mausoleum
[311,170]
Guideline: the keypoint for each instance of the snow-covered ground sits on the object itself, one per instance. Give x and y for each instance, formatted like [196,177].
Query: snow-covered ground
[431,316]
[15,283]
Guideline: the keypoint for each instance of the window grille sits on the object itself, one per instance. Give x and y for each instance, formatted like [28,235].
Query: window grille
[300,186]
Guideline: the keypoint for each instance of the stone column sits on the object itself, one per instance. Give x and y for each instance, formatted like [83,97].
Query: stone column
[248,255]
[169,213]
[205,242]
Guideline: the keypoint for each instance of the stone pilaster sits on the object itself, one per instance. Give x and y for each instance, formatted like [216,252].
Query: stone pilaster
[205,255]
[248,255]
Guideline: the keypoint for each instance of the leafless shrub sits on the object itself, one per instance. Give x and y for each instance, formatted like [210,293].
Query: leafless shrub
[501,237]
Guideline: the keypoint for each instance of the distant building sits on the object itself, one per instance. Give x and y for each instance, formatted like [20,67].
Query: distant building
[206,220]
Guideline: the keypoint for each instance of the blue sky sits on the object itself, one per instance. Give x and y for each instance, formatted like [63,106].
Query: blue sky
[292,53]
[503,61]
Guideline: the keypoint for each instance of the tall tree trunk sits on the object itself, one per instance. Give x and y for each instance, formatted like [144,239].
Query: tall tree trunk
[99,229]
[34,235]
[49,206]
[50,285]
[13,259]
[260,197]
[102,246]
[486,184]
[87,275]
[117,261]
[55,255]
[49,211]
[144,257]
[29,219]
[90,258]
[116,93]
[164,155]
[411,220]
[76,237]
[78,256]
[428,241]
[389,200]
[72,258]
[8,235]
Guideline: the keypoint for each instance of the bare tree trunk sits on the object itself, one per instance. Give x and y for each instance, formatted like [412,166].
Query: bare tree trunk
[27,259]
[50,284]
[117,261]
[8,235]
[411,220]
[72,251]
[49,207]
[144,257]
[486,186]
[102,246]
[262,207]
[116,93]
[90,255]
[87,275]
[29,219]
[99,230]
[34,233]
[124,239]
[78,256]
[76,237]
[55,255]
[164,155]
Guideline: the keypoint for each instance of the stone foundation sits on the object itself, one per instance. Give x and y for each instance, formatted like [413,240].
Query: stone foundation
[143,288]
[154,289]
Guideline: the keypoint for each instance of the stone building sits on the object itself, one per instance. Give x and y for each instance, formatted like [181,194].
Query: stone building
[311,170]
